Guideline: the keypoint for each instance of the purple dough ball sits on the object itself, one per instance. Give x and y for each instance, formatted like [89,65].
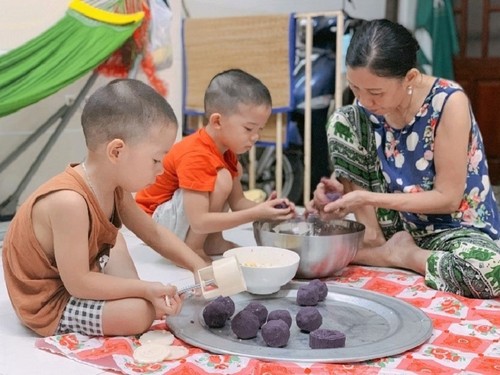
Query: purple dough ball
[307,295]
[322,288]
[308,319]
[332,197]
[245,324]
[280,314]
[228,304]
[281,205]
[258,309]
[276,333]
[326,338]
[215,314]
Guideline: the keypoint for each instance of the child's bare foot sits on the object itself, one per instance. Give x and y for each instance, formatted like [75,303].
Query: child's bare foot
[221,247]
[399,251]
[215,244]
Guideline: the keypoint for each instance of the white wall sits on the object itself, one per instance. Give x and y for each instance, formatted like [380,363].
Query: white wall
[22,20]
[367,9]
[407,13]
[19,22]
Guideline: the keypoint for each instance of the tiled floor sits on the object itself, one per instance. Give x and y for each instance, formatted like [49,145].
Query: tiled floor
[18,355]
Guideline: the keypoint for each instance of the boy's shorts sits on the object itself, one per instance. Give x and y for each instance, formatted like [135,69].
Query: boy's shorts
[171,215]
[81,316]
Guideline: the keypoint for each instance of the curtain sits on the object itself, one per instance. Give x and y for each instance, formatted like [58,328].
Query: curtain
[435,31]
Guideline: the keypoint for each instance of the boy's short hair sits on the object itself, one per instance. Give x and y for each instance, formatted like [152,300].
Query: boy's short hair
[230,88]
[126,109]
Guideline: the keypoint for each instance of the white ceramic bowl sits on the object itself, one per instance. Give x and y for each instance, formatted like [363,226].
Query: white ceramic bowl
[265,268]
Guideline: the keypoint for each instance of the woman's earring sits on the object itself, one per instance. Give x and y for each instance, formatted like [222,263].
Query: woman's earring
[409,90]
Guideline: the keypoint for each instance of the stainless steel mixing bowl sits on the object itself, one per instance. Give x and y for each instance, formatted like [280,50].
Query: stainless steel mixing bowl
[324,247]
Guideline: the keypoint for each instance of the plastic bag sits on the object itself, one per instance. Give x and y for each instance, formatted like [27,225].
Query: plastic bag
[160,45]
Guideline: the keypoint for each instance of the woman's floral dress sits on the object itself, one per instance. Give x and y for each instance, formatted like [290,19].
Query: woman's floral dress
[367,151]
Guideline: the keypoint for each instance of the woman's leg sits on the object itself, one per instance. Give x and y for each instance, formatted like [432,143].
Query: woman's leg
[366,215]
[460,261]
[463,261]
[400,251]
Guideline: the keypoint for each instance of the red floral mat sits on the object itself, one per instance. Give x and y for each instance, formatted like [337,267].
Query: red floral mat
[465,338]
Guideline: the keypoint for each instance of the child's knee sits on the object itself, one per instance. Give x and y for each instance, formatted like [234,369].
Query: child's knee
[145,309]
[145,318]
[128,317]
[223,183]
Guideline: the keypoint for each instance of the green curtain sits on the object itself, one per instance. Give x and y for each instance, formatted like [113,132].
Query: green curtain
[436,18]
[71,48]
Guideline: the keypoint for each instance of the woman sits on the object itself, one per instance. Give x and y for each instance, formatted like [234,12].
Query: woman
[409,159]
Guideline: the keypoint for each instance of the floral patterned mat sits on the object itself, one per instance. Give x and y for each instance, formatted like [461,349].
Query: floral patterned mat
[465,338]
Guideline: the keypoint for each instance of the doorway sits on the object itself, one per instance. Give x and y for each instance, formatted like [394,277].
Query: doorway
[477,69]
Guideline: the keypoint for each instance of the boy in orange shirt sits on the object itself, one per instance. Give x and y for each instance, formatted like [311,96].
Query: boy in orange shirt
[66,265]
[199,193]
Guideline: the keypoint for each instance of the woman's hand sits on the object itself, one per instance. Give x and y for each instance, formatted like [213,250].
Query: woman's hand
[328,190]
[346,204]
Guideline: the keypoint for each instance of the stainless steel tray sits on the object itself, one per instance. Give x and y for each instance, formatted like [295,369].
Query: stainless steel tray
[375,326]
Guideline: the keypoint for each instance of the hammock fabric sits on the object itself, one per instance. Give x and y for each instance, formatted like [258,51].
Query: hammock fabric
[79,42]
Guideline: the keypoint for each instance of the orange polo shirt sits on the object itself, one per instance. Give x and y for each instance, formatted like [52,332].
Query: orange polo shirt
[192,164]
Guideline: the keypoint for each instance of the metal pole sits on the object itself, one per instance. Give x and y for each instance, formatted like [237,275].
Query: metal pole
[308,73]
[279,153]
[32,138]
[307,111]
[338,61]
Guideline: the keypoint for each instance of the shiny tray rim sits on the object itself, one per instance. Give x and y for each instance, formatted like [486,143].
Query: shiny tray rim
[415,328]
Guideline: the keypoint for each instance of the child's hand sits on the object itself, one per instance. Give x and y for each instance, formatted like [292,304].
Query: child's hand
[174,304]
[276,209]
[164,298]
[272,196]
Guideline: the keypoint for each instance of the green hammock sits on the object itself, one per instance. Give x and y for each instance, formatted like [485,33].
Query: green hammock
[71,48]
